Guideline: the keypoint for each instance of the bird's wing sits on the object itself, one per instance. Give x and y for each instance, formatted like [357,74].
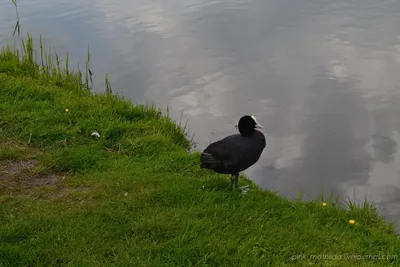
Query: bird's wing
[224,151]
[220,150]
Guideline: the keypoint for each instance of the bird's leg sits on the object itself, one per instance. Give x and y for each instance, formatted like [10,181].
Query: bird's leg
[237,180]
[232,182]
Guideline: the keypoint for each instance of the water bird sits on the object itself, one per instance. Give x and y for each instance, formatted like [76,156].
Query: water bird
[235,153]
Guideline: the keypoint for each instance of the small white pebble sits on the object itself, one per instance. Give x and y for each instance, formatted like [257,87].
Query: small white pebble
[95,134]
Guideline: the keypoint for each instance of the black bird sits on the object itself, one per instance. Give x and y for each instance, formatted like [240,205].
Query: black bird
[235,153]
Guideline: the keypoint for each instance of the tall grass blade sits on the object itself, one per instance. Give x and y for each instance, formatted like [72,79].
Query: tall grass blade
[108,85]
[88,72]
[17,27]
[67,64]
[41,51]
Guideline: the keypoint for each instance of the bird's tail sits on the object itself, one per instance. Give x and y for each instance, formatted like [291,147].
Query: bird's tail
[208,161]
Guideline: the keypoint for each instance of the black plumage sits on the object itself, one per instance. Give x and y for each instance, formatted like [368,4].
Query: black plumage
[235,153]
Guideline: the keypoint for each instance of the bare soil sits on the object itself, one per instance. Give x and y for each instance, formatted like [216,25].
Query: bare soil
[19,178]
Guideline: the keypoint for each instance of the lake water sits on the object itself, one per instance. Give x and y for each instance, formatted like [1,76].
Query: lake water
[322,77]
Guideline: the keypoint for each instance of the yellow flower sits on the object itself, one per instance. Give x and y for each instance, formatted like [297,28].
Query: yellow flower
[67,110]
[352,221]
[323,204]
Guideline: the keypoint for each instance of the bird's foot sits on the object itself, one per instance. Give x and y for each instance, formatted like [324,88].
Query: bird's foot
[244,189]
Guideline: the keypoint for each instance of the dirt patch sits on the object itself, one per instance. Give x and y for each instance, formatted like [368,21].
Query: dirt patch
[22,174]
[42,180]
[11,168]
[20,177]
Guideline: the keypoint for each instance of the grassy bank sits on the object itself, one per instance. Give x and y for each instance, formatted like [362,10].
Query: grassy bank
[135,196]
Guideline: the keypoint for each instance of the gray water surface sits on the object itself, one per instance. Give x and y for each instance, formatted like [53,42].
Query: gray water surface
[322,77]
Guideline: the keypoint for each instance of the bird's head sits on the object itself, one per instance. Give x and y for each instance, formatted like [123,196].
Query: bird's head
[247,124]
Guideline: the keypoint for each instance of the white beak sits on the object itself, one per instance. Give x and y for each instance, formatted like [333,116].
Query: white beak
[257,124]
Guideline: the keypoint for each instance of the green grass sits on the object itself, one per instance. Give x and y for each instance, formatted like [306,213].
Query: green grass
[135,196]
